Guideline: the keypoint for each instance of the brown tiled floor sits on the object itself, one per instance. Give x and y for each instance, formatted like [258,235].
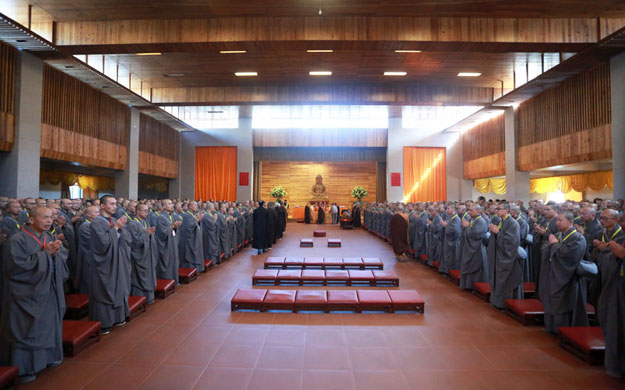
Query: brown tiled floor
[191,340]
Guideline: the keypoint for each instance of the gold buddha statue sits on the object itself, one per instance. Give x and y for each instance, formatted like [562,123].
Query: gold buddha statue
[319,190]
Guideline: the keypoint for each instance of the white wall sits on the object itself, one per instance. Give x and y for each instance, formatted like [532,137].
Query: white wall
[241,138]
[49,191]
[457,187]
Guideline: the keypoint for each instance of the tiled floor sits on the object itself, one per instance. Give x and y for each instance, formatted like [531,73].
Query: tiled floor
[191,340]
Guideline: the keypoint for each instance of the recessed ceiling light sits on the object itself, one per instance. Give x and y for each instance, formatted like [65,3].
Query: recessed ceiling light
[395,73]
[469,74]
[246,74]
[21,40]
[233,51]
[174,75]
[215,112]
[320,73]
[407,51]
[320,51]
[148,54]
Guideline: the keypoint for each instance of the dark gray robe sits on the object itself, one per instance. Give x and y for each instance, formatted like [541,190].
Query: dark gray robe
[83,262]
[9,226]
[450,258]
[210,238]
[232,234]
[473,264]
[419,241]
[605,261]
[167,261]
[190,251]
[505,270]
[260,218]
[143,255]
[33,303]
[108,276]
[224,236]
[435,232]
[561,290]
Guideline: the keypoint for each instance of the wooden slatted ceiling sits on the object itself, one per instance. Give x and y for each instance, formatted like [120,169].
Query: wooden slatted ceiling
[7,96]
[133,9]
[578,104]
[71,105]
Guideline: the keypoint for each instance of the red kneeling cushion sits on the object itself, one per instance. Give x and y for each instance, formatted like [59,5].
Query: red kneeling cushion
[352,261]
[385,276]
[360,275]
[8,374]
[311,297]
[294,261]
[279,299]
[333,261]
[187,272]
[373,298]
[313,274]
[338,275]
[529,287]
[319,233]
[405,298]
[342,297]
[265,274]
[76,301]
[163,285]
[306,241]
[454,274]
[313,261]
[435,264]
[77,332]
[525,307]
[274,261]
[294,275]
[586,338]
[482,287]
[249,296]
[590,309]
[372,262]
[334,241]
[135,302]
[208,263]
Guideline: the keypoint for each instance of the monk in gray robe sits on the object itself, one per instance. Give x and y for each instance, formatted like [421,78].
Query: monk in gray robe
[9,224]
[589,227]
[224,236]
[561,291]
[210,235]
[191,252]
[435,236]
[143,254]
[505,271]
[524,229]
[419,241]
[108,278]
[33,303]
[611,312]
[167,262]
[473,265]
[83,262]
[450,258]
[24,217]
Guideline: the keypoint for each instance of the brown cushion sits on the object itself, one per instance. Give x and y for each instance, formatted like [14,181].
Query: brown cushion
[482,287]
[294,261]
[290,274]
[8,374]
[405,297]
[313,261]
[352,261]
[337,275]
[360,275]
[164,284]
[333,261]
[135,303]
[319,233]
[585,338]
[274,261]
[280,297]
[77,332]
[385,275]
[372,261]
[342,297]
[76,301]
[249,296]
[373,297]
[311,297]
[265,274]
[313,274]
[208,263]
[187,272]
[523,307]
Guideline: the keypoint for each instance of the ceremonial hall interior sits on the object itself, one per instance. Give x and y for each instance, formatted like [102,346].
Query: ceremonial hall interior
[312,194]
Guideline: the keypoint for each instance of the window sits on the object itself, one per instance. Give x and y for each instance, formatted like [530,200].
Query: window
[206,117]
[434,119]
[320,117]
[75,192]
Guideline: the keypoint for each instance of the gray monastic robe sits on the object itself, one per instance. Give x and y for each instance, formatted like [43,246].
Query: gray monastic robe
[451,245]
[473,264]
[143,256]
[505,273]
[83,262]
[190,251]
[435,232]
[605,261]
[33,303]
[561,291]
[420,235]
[210,238]
[108,275]
[232,234]
[167,261]
[224,237]
[9,226]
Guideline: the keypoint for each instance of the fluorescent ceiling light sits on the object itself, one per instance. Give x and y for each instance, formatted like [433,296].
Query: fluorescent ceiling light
[320,51]
[233,51]
[215,112]
[320,73]
[148,54]
[246,74]
[395,73]
[407,51]
[469,74]
[174,75]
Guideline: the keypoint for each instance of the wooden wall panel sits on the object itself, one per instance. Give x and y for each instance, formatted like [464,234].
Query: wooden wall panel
[74,106]
[158,138]
[8,63]
[484,140]
[152,164]
[67,145]
[298,177]
[320,137]
[578,104]
[487,166]
[586,145]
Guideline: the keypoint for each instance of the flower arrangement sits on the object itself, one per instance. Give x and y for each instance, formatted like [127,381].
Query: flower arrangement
[278,192]
[359,192]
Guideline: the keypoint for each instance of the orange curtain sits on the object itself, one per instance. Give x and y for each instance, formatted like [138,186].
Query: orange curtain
[216,173]
[425,174]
